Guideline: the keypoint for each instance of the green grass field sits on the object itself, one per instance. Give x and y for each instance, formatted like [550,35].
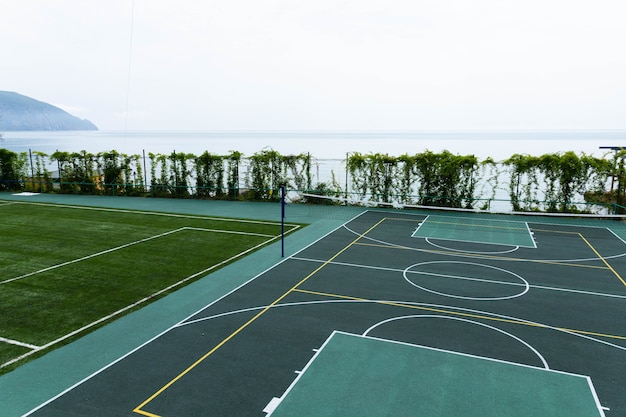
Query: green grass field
[64,270]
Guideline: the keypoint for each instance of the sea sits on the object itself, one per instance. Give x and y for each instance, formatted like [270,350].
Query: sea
[323,144]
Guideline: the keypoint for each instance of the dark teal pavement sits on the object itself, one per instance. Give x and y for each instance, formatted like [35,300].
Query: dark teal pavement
[32,384]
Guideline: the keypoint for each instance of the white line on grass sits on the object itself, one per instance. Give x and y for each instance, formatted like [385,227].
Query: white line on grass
[128,245]
[201,229]
[143,300]
[18,343]
[91,256]
[156,213]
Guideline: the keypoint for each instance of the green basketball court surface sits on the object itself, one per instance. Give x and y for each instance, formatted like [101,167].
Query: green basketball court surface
[355,376]
[464,229]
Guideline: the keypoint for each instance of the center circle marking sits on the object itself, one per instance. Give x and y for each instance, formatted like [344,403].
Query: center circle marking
[524,284]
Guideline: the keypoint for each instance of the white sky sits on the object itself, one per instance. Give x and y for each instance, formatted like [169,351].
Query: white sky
[321,64]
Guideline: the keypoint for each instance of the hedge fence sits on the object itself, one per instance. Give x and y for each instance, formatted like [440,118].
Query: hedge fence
[556,182]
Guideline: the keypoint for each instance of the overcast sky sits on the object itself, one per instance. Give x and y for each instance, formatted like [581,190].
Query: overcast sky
[321,64]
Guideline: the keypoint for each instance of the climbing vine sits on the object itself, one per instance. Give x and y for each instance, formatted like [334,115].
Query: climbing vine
[489,171]
[209,175]
[268,171]
[427,178]
[232,181]
[561,177]
[551,182]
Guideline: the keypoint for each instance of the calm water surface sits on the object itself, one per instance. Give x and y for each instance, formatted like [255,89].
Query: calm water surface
[498,145]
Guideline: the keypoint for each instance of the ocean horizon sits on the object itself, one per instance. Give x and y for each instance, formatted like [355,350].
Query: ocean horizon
[322,144]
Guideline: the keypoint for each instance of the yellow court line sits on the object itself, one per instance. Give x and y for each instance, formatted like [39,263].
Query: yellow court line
[556,231]
[481,256]
[457,313]
[602,259]
[139,410]
[400,219]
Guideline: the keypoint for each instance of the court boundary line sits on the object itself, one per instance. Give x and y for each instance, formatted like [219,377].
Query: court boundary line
[525,223]
[17,343]
[426,219]
[302,372]
[141,346]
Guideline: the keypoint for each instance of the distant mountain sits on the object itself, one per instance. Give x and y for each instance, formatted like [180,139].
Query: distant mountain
[18,112]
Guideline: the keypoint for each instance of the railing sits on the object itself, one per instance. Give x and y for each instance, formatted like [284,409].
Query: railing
[209,193]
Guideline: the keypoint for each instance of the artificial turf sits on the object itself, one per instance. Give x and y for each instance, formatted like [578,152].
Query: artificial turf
[63,268]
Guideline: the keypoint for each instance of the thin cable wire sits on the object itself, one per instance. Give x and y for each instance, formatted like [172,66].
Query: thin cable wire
[130,55]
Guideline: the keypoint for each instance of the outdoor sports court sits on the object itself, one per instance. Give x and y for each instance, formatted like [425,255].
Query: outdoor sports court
[396,313]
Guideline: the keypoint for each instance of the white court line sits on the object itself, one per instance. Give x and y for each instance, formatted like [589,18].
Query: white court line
[302,372]
[534,245]
[508,297]
[616,235]
[400,304]
[500,252]
[474,322]
[18,343]
[541,287]
[481,256]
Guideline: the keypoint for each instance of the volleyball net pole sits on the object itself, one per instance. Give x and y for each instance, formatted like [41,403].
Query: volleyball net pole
[282,221]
